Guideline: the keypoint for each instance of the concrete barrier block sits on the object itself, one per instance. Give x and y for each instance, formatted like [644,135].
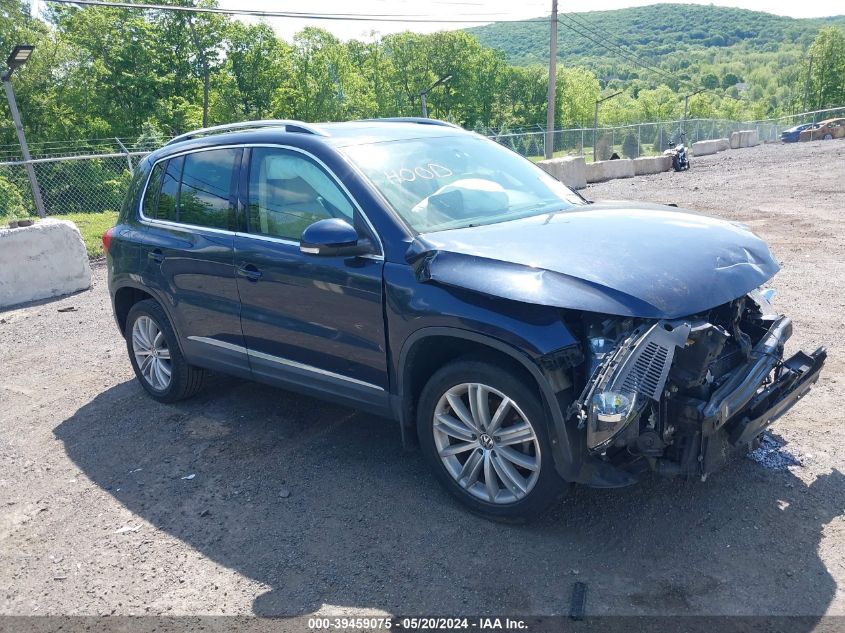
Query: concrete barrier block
[734,140]
[704,148]
[724,144]
[610,169]
[651,165]
[570,170]
[744,138]
[595,171]
[47,259]
[752,139]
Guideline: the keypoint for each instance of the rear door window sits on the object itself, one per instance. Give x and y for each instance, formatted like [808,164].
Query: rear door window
[209,188]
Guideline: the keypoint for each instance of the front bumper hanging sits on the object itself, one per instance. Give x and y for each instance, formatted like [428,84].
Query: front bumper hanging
[742,406]
[756,394]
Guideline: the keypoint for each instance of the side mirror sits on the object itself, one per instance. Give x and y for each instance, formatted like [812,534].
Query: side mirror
[333,237]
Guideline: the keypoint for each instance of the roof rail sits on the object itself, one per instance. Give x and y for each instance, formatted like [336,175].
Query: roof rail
[289,126]
[417,119]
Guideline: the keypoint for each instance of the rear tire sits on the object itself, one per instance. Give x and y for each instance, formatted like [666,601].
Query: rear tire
[155,355]
[507,474]
[828,137]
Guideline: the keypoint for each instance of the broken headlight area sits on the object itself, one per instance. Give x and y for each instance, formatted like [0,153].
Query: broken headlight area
[678,396]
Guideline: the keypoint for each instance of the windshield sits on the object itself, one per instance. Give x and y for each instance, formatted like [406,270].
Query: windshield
[458,181]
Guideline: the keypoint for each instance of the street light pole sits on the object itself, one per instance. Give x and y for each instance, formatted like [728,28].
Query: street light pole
[18,58]
[596,120]
[425,92]
[686,105]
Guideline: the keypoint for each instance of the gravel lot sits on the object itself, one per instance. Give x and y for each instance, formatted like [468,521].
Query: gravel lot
[251,500]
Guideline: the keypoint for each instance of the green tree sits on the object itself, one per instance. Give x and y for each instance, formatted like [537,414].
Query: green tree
[710,81]
[577,91]
[827,82]
[260,65]
[328,86]
[630,146]
[730,79]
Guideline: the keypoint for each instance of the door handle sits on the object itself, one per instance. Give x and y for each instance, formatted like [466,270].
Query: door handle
[250,272]
[156,255]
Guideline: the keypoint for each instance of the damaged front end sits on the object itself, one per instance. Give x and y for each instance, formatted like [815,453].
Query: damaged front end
[677,396]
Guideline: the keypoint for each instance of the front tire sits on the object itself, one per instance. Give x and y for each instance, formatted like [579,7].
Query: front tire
[483,432]
[155,355]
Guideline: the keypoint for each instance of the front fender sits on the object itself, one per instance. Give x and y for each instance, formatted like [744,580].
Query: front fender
[415,311]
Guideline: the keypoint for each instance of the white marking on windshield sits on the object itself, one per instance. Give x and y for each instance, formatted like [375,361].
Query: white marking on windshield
[429,171]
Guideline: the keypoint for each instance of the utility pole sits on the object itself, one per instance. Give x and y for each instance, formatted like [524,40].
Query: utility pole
[550,111]
[809,82]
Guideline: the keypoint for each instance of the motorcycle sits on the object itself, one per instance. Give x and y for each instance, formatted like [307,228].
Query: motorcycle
[678,153]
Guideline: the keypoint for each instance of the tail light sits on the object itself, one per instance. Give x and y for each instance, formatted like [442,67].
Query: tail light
[107,240]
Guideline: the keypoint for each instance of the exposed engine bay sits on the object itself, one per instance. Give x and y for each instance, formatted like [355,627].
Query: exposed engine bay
[679,396]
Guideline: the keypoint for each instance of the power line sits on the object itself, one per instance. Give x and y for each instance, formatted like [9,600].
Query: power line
[601,31]
[627,56]
[631,56]
[352,17]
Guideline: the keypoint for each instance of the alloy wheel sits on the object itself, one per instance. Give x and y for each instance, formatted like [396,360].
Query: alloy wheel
[486,443]
[151,353]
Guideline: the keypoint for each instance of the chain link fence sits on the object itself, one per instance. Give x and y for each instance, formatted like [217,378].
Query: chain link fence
[647,139]
[92,175]
[70,184]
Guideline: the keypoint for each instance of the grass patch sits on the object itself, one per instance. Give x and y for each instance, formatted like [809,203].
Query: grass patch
[92,226]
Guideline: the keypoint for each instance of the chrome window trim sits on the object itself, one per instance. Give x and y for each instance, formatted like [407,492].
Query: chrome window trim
[295,244]
[267,238]
[281,361]
[332,175]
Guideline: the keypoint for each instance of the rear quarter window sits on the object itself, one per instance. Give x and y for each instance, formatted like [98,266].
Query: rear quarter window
[131,200]
[151,193]
[168,198]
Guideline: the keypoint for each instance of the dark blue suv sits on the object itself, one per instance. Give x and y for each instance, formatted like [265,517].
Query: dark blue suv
[524,337]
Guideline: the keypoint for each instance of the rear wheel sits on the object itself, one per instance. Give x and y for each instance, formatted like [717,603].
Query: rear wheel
[828,137]
[155,355]
[484,434]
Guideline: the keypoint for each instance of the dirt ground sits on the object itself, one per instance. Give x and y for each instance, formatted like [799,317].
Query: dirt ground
[251,500]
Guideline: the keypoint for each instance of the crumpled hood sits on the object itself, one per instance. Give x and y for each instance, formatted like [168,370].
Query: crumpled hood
[622,258]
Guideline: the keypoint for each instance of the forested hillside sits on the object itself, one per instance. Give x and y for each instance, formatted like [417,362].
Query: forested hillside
[654,32]
[759,58]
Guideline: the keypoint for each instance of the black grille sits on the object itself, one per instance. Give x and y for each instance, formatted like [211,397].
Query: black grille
[648,372]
